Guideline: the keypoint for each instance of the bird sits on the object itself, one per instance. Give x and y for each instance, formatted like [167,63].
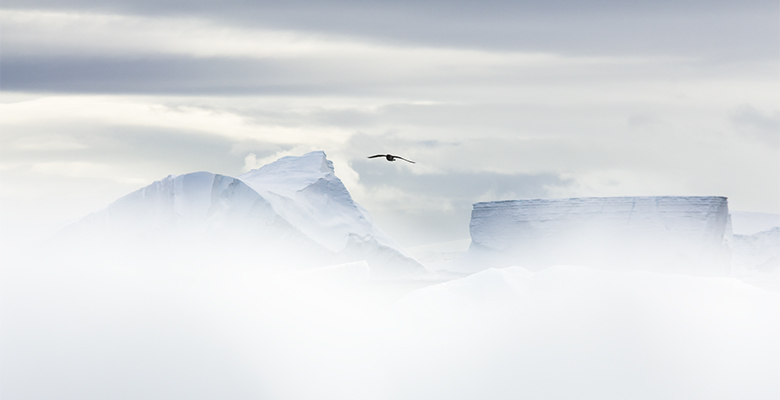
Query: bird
[391,157]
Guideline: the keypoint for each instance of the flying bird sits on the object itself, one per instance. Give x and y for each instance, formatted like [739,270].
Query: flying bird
[391,157]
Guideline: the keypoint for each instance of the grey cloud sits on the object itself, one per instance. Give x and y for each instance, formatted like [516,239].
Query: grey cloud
[217,75]
[722,29]
[449,197]
[180,75]
[349,117]
[642,121]
[461,185]
[450,180]
[435,207]
[155,151]
[396,116]
[425,78]
[755,124]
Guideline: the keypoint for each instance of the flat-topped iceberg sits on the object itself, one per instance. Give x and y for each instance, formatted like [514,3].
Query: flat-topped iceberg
[669,233]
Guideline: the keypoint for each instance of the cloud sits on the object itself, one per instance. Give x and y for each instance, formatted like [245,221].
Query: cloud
[69,52]
[492,100]
[757,125]
[723,28]
[36,32]
[423,74]
[419,208]
[456,185]
[172,150]
[166,75]
[536,145]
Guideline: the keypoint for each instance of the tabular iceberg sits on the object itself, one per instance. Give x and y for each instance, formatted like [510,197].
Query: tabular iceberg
[670,234]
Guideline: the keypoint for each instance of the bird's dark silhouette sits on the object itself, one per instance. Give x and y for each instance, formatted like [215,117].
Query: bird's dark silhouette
[390,157]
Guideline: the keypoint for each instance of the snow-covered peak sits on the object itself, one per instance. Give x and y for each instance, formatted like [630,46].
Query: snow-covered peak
[183,206]
[305,191]
[290,174]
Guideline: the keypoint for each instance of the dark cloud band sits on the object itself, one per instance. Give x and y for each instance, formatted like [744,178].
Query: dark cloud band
[722,29]
[177,75]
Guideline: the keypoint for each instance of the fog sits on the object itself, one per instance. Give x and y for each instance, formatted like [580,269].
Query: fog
[197,320]
[276,284]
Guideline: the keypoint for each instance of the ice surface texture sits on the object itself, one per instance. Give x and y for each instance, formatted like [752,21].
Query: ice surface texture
[656,232]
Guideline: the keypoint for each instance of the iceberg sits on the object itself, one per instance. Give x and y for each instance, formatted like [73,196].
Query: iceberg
[293,210]
[756,258]
[665,233]
[306,192]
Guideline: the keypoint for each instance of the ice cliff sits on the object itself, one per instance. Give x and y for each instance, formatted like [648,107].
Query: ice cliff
[673,234]
[295,210]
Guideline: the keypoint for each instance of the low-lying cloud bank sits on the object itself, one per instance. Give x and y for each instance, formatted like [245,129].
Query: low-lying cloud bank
[184,327]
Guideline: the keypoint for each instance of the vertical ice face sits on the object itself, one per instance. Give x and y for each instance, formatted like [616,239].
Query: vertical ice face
[658,231]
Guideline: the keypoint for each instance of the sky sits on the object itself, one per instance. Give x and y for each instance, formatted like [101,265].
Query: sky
[493,99]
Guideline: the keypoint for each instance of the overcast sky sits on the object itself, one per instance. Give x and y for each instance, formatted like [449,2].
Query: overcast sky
[493,99]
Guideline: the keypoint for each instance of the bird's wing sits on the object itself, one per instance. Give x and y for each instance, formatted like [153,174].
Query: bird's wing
[378,155]
[405,159]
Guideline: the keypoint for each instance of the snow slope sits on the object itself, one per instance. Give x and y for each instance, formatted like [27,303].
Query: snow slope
[189,204]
